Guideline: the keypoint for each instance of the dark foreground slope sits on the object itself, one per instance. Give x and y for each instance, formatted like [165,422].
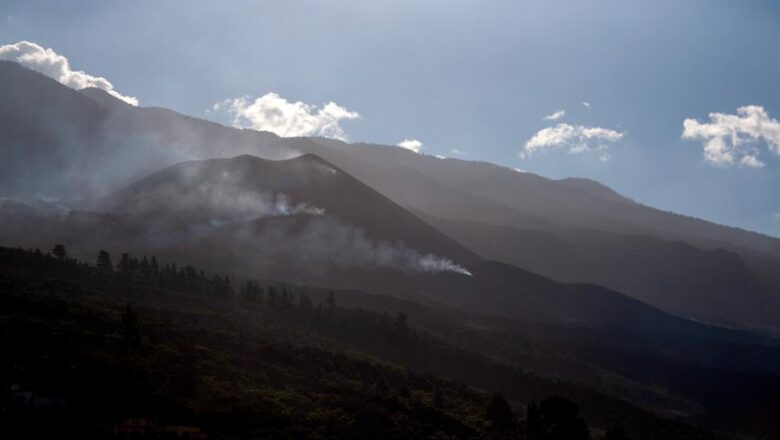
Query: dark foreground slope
[270,361]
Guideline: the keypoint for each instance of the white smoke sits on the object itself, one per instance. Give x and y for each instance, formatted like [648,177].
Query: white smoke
[325,241]
[432,263]
[237,204]
[42,207]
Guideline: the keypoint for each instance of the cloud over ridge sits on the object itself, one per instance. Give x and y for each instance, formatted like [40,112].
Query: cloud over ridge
[411,145]
[574,138]
[734,139]
[56,66]
[273,113]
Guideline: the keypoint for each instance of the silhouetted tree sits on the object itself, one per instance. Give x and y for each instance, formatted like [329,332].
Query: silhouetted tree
[402,322]
[104,262]
[154,266]
[59,252]
[131,327]
[286,300]
[533,423]
[560,420]
[145,268]
[272,297]
[330,302]
[499,412]
[124,266]
[304,303]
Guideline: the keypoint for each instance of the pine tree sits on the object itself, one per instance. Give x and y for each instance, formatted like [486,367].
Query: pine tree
[154,266]
[104,262]
[124,264]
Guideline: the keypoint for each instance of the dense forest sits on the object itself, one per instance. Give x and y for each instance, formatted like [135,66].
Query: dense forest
[91,349]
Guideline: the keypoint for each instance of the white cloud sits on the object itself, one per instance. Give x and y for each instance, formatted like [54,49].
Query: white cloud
[457,152]
[734,139]
[586,104]
[52,64]
[555,116]
[574,138]
[273,113]
[411,145]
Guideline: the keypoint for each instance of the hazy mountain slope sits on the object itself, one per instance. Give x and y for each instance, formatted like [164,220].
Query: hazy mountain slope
[713,285]
[569,202]
[54,141]
[131,142]
[248,188]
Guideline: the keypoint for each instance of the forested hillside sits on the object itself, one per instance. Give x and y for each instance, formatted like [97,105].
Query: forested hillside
[133,338]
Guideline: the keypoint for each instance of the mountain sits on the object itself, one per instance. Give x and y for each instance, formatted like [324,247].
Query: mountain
[89,144]
[637,264]
[353,221]
[442,237]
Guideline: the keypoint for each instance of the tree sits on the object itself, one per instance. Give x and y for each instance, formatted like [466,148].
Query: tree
[154,266]
[560,420]
[145,268]
[304,303]
[402,322]
[286,300]
[533,423]
[499,412]
[330,302]
[104,262]
[59,252]
[124,264]
[272,297]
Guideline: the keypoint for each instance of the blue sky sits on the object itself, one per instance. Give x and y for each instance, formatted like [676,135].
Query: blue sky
[473,76]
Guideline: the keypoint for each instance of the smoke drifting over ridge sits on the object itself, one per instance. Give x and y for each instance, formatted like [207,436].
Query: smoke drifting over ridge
[88,145]
[325,241]
[277,233]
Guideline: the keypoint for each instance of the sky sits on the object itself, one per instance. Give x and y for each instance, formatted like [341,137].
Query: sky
[674,104]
